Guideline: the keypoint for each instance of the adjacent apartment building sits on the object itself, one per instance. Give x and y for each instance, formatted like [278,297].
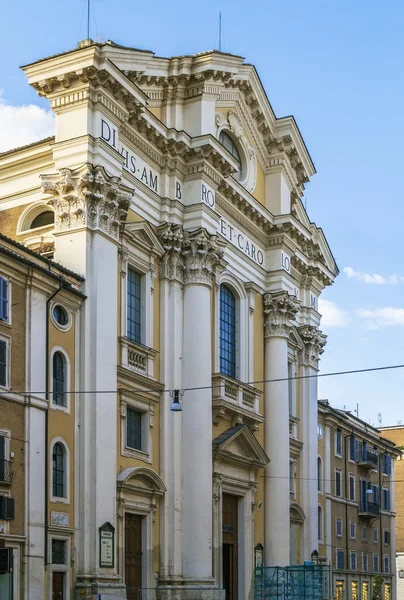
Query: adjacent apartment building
[356,505]
[396,434]
[172,455]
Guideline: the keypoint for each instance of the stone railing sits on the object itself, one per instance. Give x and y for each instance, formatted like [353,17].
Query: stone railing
[293,423]
[137,358]
[232,395]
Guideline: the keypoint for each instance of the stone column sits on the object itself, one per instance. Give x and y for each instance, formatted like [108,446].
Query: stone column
[314,342]
[202,254]
[280,310]
[89,208]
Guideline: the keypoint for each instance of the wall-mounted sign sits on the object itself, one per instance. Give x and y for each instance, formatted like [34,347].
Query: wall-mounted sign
[132,163]
[107,546]
[259,555]
[208,195]
[241,241]
[228,529]
[60,518]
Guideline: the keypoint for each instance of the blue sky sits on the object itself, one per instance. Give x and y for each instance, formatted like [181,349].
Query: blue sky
[337,66]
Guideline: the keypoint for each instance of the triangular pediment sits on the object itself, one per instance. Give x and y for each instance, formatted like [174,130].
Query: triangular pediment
[239,445]
[142,234]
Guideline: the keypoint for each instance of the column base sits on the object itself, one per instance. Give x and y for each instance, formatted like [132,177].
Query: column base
[94,589]
[189,590]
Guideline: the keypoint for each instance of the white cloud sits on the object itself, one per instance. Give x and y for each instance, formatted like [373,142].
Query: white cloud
[332,315]
[373,277]
[23,124]
[382,317]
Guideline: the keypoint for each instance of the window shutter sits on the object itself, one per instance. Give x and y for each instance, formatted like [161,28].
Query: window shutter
[3,299]
[2,447]
[352,448]
[3,362]
[9,509]
[356,450]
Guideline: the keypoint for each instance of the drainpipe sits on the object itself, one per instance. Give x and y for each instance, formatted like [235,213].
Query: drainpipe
[347,437]
[381,568]
[47,394]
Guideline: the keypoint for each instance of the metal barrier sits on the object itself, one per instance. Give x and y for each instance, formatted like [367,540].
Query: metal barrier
[302,582]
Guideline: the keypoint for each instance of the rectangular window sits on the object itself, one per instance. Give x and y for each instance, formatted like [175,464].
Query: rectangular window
[364,533]
[338,527]
[375,535]
[376,563]
[365,590]
[354,590]
[351,487]
[7,508]
[228,332]
[338,442]
[3,363]
[387,591]
[387,537]
[133,428]
[353,560]
[59,552]
[353,449]
[387,463]
[386,499]
[292,477]
[386,563]
[134,306]
[340,559]
[338,483]
[339,590]
[365,562]
[352,526]
[3,299]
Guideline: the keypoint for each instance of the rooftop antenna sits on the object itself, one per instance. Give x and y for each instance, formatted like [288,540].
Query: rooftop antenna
[357,410]
[88,19]
[220,31]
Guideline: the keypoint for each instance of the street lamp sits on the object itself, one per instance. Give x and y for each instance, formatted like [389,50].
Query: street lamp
[176,405]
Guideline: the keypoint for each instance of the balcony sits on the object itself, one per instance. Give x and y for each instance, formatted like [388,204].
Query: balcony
[368,460]
[137,358]
[293,423]
[239,400]
[368,509]
[6,474]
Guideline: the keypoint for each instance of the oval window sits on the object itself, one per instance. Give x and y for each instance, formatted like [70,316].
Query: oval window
[319,431]
[60,315]
[227,141]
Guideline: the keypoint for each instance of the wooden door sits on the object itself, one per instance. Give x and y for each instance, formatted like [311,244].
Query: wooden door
[230,545]
[133,555]
[58,584]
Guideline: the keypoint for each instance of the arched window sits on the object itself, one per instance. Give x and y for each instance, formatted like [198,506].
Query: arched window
[319,474]
[44,218]
[320,523]
[227,141]
[59,379]
[227,331]
[59,471]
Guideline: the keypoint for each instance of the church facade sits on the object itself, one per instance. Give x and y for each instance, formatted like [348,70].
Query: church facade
[174,193]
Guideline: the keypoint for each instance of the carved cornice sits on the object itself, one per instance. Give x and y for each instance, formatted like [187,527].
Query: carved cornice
[280,310]
[190,256]
[314,342]
[87,197]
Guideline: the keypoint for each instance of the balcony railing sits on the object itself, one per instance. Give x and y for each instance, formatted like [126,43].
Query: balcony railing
[232,395]
[6,473]
[137,358]
[368,459]
[368,509]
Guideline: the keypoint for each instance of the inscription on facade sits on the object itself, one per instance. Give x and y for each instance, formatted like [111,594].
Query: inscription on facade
[241,241]
[132,163]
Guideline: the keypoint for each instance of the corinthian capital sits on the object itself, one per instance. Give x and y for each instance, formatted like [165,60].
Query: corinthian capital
[314,342]
[172,262]
[203,255]
[279,311]
[87,197]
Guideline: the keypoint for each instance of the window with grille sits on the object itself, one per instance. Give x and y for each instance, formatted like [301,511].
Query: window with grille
[59,379]
[134,306]
[340,559]
[227,332]
[59,471]
[3,362]
[387,591]
[59,552]
[338,527]
[386,564]
[339,590]
[133,428]
[3,299]
[354,590]
[365,562]
[365,590]
[376,563]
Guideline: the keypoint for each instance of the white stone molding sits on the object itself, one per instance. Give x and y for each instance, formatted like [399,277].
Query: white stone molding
[66,497]
[280,309]
[171,263]
[52,405]
[138,403]
[28,215]
[87,197]
[314,344]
